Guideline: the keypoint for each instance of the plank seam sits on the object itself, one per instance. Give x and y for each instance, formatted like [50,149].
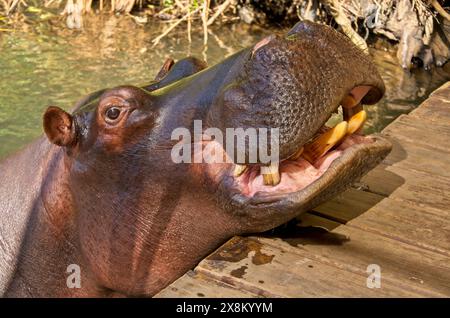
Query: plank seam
[237,283]
[430,210]
[400,239]
[415,141]
[424,173]
[390,163]
[328,217]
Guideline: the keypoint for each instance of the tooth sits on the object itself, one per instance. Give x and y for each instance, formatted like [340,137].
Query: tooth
[296,154]
[356,122]
[348,113]
[271,175]
[239,169]
[323,143]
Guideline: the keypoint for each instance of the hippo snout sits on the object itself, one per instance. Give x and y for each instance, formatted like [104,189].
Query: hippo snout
[295,83]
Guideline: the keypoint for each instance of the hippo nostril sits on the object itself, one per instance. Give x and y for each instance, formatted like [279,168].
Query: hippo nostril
[262,43]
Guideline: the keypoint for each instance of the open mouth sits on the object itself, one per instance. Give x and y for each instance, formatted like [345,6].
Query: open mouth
[308,164]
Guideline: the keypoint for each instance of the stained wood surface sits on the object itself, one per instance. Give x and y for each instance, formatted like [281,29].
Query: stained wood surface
[397,217]
[195,284]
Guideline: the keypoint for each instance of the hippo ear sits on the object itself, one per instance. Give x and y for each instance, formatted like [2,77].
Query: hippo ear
[164,69]
[59,127]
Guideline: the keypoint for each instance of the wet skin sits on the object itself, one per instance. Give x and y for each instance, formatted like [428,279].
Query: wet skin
[101,190]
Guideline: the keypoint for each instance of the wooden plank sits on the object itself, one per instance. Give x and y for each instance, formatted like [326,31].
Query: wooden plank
[193,285]
[433,114]
[408,155]
[434,110]
[268,271]
[436,107]
[420,131]
[422,124]
[353,249]
[422,189]
[398,220]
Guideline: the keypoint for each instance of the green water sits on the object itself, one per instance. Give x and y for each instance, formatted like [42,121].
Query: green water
[47,65]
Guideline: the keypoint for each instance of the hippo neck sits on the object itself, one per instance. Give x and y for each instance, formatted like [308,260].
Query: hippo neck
[43,244]
[21,179]
[196,93]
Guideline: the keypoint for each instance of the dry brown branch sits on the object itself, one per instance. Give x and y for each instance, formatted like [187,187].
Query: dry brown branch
[440,9]
[48,3]
[219,11]
[189,22]
[205,20]
[12,6]
[156,40]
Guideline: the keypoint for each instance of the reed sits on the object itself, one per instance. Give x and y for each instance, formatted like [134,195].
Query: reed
[176,11]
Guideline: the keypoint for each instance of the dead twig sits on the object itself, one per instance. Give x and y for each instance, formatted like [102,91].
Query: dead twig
[48,3]
[189,22]
[205,20]
[219,11]
[440,9]
[12,6]
[156,40]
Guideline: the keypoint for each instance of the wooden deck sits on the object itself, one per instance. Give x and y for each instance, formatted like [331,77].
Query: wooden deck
[398,217]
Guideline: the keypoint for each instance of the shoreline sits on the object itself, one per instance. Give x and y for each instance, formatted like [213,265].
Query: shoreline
[419,31]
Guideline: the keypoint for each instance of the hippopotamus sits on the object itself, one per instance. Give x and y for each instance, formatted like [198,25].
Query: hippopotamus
[100,189]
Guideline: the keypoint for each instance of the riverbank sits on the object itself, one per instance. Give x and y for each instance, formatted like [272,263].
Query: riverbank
[420,30]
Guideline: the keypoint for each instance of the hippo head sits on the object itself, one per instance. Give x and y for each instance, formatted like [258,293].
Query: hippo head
[140,211]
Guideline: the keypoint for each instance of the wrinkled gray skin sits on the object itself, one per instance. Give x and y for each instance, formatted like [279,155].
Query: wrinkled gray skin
[105,194]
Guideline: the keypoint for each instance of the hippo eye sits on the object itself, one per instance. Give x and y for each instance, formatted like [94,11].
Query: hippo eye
[112,113]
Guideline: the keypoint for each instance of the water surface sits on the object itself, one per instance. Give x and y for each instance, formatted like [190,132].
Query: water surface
[46,65]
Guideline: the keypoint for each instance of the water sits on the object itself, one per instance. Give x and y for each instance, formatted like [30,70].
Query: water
[47,65]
